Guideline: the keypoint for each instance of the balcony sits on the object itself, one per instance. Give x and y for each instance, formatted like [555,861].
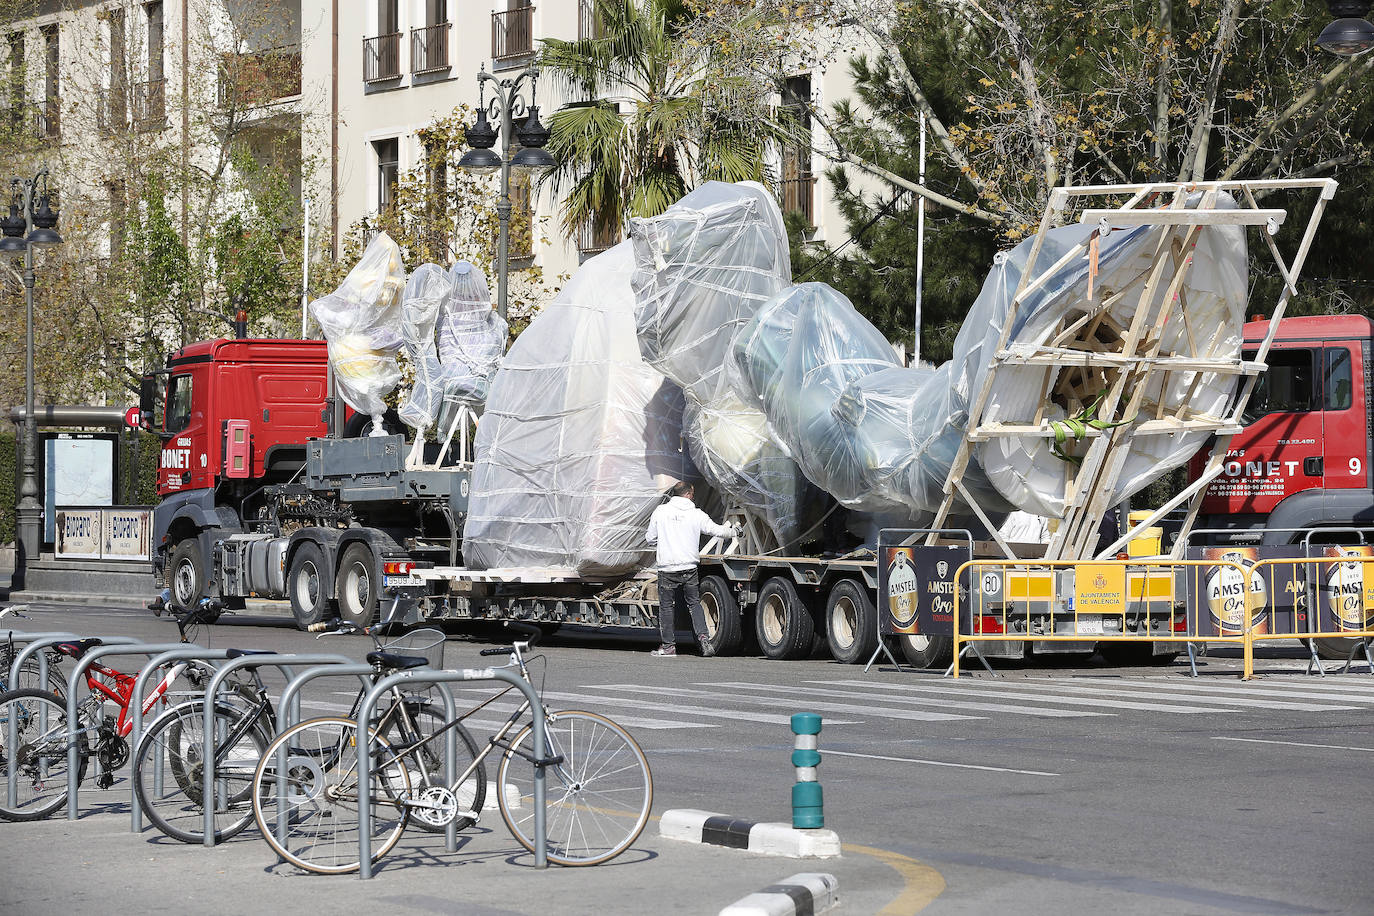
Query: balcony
[112,109]
[382,58]
[512,37]
[149,99]
[36,120]
[593,239]
[259,79]
[588,26]
[429,48]
[799,195]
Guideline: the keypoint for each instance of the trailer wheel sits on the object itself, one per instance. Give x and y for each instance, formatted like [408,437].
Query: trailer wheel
[305,585]
[354,588]
[1336,648]
[851,622]
[926,651]
[724,627]
[784,624]
[186,575]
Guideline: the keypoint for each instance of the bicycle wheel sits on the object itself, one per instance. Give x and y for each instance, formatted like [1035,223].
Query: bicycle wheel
[306,804]
[469,795]
[597,799]
[34,738]
[169,779]
[31,675]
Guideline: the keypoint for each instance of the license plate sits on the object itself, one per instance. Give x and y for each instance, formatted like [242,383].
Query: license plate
[403,581]
[1088,627]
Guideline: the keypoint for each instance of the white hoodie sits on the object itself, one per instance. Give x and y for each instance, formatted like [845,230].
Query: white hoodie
[676,528]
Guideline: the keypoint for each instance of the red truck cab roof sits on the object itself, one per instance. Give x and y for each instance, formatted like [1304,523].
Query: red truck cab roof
[250,349]
[1313,327]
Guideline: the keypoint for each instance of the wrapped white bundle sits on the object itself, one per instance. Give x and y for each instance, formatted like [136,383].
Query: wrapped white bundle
[472,338]
[428,288]
[580,437]
[361,320]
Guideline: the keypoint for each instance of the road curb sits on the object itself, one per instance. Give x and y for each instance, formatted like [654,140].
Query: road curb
[807,893]
[695,826]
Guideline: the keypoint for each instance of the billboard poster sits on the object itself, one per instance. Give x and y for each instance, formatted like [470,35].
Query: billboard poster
[127,534]
[916,585]
[1345,589]
[1220,600]
[77,533]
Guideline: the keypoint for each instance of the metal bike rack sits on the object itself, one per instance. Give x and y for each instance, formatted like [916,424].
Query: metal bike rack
[115,645]
[16,636]
[36,643]
[290,709]
[428,676]
[186,653]
[284,663]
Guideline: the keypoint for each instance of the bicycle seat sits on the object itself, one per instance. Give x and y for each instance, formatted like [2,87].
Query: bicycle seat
[396,662]
[240,653]
[80,647]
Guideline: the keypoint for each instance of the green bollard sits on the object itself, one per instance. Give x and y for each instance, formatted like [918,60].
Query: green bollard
[807,801]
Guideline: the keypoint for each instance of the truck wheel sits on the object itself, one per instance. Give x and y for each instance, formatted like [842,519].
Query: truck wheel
[354,588]
[305,585]
[783,623]
[926,651]
[186,575]
[724,628]
[1336,648]
[851,622]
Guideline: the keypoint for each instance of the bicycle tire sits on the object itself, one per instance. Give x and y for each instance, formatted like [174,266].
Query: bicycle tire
[318,808]
[597,800]
[42,736]
[173,745]
[471,794]
[30,675]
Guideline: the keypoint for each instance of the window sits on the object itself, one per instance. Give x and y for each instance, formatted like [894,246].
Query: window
[388,170]
[179,403]
[512,33]
[798,184]
[1337,380]
[382,53]
[155,40]
[429,44]
[16,79]
[52,105]
[388,17]
[114,192]
[1288,387]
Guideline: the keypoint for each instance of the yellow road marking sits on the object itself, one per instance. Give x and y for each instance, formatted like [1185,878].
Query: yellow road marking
[923,883]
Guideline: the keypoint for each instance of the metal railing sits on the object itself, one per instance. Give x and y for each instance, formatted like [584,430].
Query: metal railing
[429,48]
[259,78]
[112,109]
[799,195]
[149,103]
[382,57]
[512,35]
[593,239]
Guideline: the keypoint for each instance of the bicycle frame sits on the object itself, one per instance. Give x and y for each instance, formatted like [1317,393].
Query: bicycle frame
[120,690]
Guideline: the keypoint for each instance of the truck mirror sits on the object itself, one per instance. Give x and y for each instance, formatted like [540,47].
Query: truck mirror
[147,401]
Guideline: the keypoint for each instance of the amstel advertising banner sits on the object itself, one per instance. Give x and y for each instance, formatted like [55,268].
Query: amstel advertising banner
[916,586]
[1220,601]
[1345,589]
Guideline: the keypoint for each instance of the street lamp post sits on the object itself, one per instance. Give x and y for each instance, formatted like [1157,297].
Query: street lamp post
[1350,34]
[518,120]
[25,228]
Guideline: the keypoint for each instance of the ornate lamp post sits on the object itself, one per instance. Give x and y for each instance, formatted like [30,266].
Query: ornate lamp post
[1351,33]
[518,120]
[31,223]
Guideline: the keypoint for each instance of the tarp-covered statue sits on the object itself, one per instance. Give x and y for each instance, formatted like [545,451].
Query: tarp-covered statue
[703,269]
[361,320]
[580,437]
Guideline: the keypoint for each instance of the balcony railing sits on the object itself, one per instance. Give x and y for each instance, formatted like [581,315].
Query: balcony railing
[512,36]
[587,24]
[260,78]
[382,57]
[429,48]
[149,100]
[112,109]
[593,239]
[799,194]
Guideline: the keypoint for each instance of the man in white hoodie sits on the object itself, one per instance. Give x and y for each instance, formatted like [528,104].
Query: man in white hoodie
[675,529]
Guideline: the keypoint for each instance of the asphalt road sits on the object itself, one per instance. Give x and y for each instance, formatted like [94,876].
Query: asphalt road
[1049,789]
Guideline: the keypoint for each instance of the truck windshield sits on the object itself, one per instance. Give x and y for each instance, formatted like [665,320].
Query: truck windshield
[1288,387]
[178,403]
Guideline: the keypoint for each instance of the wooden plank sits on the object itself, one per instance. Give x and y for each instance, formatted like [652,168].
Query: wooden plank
[1188,217]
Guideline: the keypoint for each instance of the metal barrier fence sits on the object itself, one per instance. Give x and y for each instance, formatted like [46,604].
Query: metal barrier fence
[1338,604]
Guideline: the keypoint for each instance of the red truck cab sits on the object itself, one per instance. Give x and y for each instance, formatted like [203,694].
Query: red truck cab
[1303,459]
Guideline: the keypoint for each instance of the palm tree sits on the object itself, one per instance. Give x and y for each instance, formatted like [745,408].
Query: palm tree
[656,123]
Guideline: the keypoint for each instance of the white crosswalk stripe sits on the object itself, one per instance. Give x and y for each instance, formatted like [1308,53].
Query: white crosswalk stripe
[1211,693]
[679,708]
[944,703]
[880,712]
[974,689]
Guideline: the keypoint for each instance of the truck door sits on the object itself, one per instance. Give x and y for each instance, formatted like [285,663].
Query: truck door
[1345,439]
[183,462]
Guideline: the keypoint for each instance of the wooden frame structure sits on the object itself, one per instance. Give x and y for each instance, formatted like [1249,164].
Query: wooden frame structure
[1083,357]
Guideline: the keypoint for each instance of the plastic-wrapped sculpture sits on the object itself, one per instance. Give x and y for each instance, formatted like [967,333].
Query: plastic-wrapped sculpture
[580,437]
[361,321]
[703,268]
[427,290]
[472,337]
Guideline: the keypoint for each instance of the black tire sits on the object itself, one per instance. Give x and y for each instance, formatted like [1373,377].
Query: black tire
[40,723]
[471,795]
[185,575]
[782,621]
[172,795]
[851,622]
[720,610]
[1336,648]
[31,674]
[355,590]
[360,424]
[926,651]
[306,585]
[1133,654]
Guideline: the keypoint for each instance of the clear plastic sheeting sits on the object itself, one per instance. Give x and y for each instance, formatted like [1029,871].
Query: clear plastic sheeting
[361,320]
[428,288]
[580,438]
[472,338]
[703,269]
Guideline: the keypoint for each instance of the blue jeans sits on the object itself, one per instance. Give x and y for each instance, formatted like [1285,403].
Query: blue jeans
[678,591]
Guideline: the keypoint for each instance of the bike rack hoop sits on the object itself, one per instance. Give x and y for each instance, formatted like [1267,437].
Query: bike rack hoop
[431,676]
[42,640]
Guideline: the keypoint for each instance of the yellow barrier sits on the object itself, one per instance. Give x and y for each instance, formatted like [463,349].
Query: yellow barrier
[1344,593]
[1101,589]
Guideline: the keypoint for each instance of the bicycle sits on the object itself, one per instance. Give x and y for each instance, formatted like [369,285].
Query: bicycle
[243,730]
[31,672]
[599,786]
[34,732]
